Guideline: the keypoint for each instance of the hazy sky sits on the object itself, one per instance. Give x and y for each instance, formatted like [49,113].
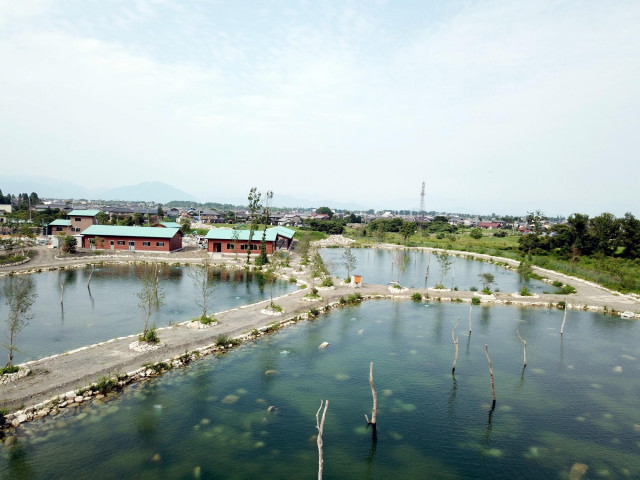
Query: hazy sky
[499,106]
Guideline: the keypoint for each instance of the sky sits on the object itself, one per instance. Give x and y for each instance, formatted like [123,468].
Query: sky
[498,106]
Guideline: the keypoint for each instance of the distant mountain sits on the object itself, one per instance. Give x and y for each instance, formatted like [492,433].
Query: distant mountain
[43,186]
[147,191]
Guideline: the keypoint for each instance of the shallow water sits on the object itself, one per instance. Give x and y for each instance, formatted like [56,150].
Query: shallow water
[110,307]
[576,402]
[376,266]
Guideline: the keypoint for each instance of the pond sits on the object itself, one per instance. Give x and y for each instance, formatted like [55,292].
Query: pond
[110,307]
[376,266]
[575,404]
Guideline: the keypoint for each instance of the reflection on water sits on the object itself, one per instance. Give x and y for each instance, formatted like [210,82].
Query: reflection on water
[212,419]
[109,308]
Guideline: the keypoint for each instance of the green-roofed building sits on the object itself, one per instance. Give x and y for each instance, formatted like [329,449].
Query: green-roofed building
[228,240]
[143,239]
[82,219]
[59,227]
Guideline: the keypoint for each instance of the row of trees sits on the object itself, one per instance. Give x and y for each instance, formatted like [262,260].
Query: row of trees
[22,199]
[602,235]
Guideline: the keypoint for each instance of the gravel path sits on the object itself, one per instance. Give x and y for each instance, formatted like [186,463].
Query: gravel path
[59,374]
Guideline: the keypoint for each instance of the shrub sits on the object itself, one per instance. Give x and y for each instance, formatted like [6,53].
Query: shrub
[347,280]
[557,284]
[205,320]
[476,233]
[562,305]
[473,289]
[566,290]
[9,369]
[500,233]
[150,337]
[224,340]
[275,307]
[486,291]
[524,291]
[302,286]
[314,312]
[255,332]
[327,282]
[475,301]
[104,385]
[439,286]
[417,297]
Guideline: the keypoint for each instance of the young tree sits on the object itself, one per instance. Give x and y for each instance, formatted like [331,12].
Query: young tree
[444,262]
[235,236]
[150,299]
[303,247]
[20,294]
[185,226]
[262,258]
[400,261]
[254,207]
[349,261]
[487,280]
[203,285]
[69,244]
[160,213]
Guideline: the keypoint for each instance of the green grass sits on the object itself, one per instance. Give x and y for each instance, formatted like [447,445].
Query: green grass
[8,370]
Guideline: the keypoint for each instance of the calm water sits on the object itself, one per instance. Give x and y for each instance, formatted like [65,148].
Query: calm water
[576,402]
[110,308]
[376,266]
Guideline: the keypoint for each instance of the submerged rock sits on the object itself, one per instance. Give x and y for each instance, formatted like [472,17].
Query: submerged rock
[323,345]
[577,471]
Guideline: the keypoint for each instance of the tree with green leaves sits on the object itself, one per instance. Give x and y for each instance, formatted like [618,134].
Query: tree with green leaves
[185,226]
[536,220]
[349,261]
[487,280]
[20,294]
[69,244]
[254,208]
[160,213]
[476,233]
[326,211]
[102,218]
[407,229]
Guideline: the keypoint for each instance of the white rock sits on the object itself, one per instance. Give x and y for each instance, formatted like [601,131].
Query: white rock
[323,345]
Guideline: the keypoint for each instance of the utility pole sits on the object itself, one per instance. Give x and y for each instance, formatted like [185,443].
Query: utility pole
[422,204]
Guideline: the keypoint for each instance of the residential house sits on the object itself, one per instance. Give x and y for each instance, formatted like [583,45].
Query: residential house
[82,219]
[59,227]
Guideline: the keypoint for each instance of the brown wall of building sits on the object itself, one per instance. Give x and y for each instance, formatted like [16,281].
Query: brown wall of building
[170,245]
[82,224]
[223,247]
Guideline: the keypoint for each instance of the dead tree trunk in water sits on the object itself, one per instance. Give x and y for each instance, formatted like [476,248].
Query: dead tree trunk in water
[564,319]
[455,342]
[493,388]
[91,275]
[320,427]
[374,410]
[470,310]
[524,343]
[62,294]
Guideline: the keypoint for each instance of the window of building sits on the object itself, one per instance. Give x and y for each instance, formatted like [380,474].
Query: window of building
[230,246]
[243,246]
[254,247]
[58,229]
[78,219]
[146,244]
[120,242]
[159,244]
[110,242]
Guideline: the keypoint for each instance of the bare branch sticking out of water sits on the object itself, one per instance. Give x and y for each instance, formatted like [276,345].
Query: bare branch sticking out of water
[524,343]
[455,342]
[493,388]
[320,427]
[374,410]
